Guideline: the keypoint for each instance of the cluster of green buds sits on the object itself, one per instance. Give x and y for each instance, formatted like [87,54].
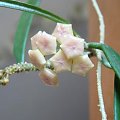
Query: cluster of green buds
[15,68]
[66,50]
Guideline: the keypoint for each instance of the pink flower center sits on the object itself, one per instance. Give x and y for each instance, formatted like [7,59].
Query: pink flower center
[61,30]
[47,80]
[83,66]
[45,42]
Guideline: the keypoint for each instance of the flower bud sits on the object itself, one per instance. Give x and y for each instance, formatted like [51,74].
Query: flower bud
[72,46]
[1,73]
[81,65]
[37,58]
[61,30]
[60,62]
[46,43]
[4,81]
[48,77]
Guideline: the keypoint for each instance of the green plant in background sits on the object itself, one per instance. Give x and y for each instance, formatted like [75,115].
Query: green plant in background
[22,32]
[105,54]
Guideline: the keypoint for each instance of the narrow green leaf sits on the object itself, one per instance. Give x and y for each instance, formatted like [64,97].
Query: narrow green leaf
[112,56]
[31,9]
[22,31]
[105,62]
[116,98]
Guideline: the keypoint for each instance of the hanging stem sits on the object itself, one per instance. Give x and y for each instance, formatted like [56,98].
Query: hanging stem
[99,54]
[16,68]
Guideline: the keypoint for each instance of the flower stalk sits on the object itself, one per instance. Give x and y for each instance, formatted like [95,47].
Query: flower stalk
[15,68]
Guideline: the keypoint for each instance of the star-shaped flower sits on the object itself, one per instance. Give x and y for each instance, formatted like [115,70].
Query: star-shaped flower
[81,65]
[73,46]
[48,77]
[60,62]
[46,43]
[61,30]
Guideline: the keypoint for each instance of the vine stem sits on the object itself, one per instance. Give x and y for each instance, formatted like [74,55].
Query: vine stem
[99,66]
[15,68]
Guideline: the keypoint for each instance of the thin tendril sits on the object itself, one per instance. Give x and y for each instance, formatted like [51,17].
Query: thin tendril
[99,66]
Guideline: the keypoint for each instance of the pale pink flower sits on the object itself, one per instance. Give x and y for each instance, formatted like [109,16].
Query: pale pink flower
[46,43]
[73,46]
[37,58]
[61,30]
[48,77]
[81,65]
[34,39]
[60,62]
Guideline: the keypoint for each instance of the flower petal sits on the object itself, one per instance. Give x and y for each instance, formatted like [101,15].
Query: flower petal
[37,58]
[48,77]
[46,43]
[61,30]
[81,65]
[60,62]
[34,39]
[73,46]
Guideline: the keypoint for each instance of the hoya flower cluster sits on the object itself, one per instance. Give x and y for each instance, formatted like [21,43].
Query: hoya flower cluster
[69,57]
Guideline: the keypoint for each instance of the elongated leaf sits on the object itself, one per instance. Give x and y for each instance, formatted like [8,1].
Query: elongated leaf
[31,9]
[116,98]
[105,62]
[22,31]
[112,56]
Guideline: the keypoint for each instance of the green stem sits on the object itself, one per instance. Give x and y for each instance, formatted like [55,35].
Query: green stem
[15,68]
[31,9]
[94,45]
[116,98]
